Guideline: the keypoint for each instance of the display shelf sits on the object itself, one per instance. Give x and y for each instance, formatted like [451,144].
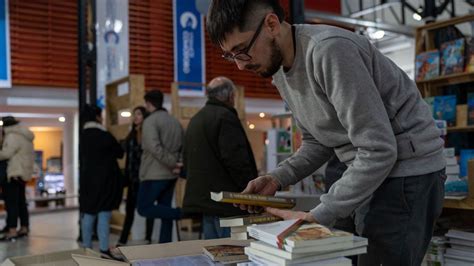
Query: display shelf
[452,79]
[465,204]
[461,129]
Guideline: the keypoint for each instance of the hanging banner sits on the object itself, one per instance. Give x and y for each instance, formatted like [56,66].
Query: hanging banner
[112,44]
[5,73]
[189,48]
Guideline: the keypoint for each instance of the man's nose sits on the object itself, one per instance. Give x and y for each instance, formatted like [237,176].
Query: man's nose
[241,64]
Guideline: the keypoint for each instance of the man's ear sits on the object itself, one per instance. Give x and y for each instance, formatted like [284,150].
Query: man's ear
[273,24]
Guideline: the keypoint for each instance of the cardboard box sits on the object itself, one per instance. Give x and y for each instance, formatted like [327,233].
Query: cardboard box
[63,258]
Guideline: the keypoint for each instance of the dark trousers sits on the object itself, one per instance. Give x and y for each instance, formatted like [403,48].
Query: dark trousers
[159,192]
[131,204]
[15,203]
[400,218]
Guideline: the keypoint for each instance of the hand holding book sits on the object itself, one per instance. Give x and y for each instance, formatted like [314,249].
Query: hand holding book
[290,215]
[263,185]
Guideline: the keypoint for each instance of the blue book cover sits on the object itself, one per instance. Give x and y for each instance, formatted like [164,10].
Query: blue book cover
[465,156]
[427,65]
[470,108]
[452,57]
[444,108]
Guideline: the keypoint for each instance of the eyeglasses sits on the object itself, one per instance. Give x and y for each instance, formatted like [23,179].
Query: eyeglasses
[243,55]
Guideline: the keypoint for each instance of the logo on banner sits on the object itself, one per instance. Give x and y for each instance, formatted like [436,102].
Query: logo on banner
[189,48]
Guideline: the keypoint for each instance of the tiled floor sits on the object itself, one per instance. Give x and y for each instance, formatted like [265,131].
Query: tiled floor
[53,232]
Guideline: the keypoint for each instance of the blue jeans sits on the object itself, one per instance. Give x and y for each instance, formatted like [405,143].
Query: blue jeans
[161,192]
[103,228]
[211,228]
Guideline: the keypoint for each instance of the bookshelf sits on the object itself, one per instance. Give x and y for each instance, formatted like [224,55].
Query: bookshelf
[425,41]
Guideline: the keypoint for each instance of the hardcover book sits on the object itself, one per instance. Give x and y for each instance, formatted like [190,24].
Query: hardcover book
[247,220]
[253,199]
[225,253]
[427,65]
[452,57]
[444,108]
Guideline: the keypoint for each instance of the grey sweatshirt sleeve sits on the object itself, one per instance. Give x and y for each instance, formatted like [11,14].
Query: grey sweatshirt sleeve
[151,142]
[309,157]
[343,70]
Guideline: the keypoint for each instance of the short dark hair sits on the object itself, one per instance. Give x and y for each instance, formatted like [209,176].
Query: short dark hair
[225,15]
[155,97]
[90,113]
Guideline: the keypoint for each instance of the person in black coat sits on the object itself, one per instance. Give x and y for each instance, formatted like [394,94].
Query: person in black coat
[132,166]
[100,183]
[217,157]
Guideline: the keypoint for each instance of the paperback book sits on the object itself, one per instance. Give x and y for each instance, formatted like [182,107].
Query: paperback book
[253,199]
[452,57]
[427,65]
[225,253]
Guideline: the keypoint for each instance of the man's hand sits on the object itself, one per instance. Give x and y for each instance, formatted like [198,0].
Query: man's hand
[288,215]
[177,169]
[263,185]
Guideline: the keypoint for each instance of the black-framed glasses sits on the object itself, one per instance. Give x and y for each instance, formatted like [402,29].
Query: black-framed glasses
[243,55]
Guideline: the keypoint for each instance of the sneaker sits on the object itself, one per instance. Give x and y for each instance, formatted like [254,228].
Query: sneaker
[108,254]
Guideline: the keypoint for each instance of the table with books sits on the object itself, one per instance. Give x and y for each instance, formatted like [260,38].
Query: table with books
[256,239]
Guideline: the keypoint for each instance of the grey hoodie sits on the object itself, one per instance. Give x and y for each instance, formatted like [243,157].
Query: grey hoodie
[18,149]
[351,100]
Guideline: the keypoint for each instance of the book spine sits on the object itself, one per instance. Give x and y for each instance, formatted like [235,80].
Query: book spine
[261,219]
[254,197]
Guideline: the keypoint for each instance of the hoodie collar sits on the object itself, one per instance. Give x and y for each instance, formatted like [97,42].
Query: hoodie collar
[93,124]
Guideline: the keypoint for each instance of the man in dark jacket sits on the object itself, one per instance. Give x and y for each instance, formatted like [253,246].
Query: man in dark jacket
[217,157]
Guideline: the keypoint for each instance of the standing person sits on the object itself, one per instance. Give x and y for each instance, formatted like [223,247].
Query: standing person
[100,182]
[162,142]
[18,149]
[217,157]
[132,166]
[351,100]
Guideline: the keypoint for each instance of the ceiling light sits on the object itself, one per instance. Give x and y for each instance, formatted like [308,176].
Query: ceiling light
[267,141]
[417,16]
[62,119]
[251,126]
[125,114]
[375,34]
[262,115]
[1,123]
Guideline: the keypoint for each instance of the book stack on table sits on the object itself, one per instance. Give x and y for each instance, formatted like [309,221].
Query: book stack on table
[461,250]
[238,224]
[293,242]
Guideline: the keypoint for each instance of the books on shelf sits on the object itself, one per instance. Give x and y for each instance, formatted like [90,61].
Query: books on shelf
[245,220]
[253,199]
[427,65]
[452,57]
[470,108]
[225,253]
[444,108]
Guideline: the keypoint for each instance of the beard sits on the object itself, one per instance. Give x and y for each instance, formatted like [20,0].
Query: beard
[276,59]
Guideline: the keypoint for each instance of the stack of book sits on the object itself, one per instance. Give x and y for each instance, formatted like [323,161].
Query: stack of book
[461,250]
[225,254]
[435,253]
[238,224]
[455,187]
[295,242]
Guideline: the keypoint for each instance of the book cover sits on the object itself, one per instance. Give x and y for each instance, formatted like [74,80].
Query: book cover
[430,102]
[452,57]
[464,157]
[444,108]
[274,233]
[470,108]
[470,55]
[225,252]
[283,141]
[253,199]
[427,65]
[245,220]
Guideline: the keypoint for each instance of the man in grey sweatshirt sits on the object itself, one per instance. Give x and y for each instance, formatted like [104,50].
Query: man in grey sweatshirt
[350,100]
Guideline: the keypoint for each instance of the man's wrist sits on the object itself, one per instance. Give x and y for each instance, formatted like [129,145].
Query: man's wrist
[277,183]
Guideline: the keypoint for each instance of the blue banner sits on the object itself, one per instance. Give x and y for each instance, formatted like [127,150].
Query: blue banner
[189,48]
[5,77]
